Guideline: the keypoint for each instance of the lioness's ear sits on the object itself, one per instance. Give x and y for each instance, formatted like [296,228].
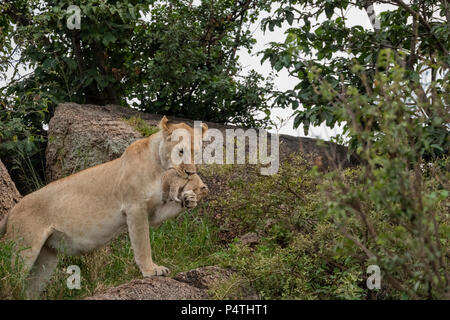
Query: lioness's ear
[163,124]
[204,128]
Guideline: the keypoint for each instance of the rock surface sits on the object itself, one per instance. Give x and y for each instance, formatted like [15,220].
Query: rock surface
[190,285]
[213,277]
[204,278]
[9,195]
[248,239]
[82,136]
[153,288]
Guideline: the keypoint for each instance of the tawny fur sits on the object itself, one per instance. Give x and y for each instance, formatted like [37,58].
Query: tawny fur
[172,182]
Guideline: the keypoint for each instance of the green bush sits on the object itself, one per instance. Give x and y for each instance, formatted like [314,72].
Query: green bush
[314,242]
[400,195]
[296,254]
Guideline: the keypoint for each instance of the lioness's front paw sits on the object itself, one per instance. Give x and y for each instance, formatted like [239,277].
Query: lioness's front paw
[158,271]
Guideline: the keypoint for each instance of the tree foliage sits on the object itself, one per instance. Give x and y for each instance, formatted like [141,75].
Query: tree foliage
[320,37]
[182,62]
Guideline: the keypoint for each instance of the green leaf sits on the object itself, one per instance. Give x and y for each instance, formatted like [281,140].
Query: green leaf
[108,38]
[290,17]
[329,10]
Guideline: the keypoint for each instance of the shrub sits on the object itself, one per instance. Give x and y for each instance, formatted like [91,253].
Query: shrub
[400,196]
[315,231]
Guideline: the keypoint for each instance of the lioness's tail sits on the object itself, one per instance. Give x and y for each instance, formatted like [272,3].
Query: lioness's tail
[3,224]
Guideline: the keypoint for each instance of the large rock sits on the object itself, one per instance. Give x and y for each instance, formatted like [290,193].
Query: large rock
[213,277]
[205,277]
[9,195]
[82,136]
[190,285]
[153,288]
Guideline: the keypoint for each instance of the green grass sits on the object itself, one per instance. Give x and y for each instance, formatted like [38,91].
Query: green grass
[11,280]
[141,126]
[186,243]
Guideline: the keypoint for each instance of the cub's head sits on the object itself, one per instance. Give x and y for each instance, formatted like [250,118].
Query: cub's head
[177,147]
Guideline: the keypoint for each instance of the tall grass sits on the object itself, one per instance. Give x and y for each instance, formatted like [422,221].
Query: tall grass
[12,280]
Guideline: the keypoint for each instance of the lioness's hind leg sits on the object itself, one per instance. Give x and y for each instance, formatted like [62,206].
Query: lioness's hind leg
[28,247]
[41,272]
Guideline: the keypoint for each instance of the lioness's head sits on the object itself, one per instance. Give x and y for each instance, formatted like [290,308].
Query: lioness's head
[177,148]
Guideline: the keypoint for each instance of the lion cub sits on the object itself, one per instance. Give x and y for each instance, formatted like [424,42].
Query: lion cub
[173,181]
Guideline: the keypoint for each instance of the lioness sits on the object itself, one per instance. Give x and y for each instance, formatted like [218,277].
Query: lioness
[86,210]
